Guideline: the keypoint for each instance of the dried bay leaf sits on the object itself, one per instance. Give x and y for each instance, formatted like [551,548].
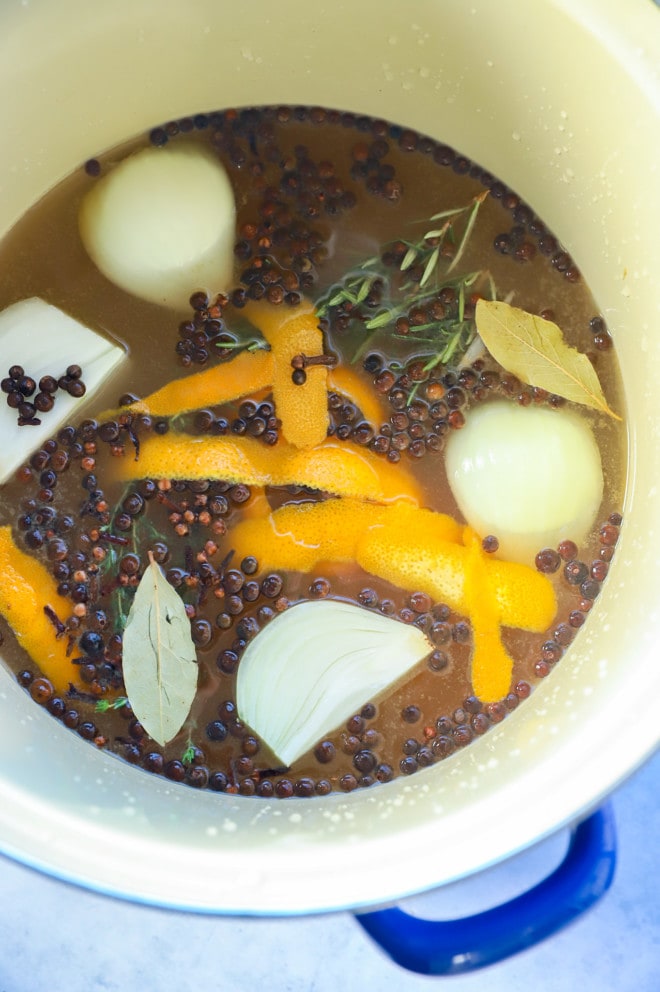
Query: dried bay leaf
[159,657]
[534,350]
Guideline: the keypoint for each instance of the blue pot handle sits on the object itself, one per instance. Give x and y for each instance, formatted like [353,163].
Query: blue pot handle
[434,947]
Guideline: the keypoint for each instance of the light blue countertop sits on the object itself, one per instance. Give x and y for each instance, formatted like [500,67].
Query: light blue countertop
[56,937]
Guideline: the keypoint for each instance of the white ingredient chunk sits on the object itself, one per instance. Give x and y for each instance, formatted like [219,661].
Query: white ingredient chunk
[161,224]
[45,341]
[530,476]
[315,665]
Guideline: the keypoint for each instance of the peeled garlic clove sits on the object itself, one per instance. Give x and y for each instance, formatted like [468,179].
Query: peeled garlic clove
[161,224]
[45,341]
[315,665]
[531,476]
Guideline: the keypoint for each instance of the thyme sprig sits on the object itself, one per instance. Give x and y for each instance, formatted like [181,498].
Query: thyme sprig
[447,229]
[103,705]
[143,531]
[189,752]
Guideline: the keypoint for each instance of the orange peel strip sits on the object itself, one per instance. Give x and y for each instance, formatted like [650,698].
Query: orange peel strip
[350,384]
[405,519]
[337,467]
[298,536]
[185,456]
[416,549]
[257,507]
[522,597]
[346,469]
[277,546]
[490,592]
[491,665]
[25,588]
[303,409]
[248,372]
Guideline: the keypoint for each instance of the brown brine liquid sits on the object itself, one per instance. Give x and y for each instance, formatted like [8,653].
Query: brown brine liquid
[318,192]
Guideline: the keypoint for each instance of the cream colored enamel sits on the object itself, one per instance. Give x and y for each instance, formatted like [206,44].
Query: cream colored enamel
[564,104]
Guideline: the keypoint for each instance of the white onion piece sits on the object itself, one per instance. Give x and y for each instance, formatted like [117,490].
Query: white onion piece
[314,666]
[45,341]
[161,224]
[531,476]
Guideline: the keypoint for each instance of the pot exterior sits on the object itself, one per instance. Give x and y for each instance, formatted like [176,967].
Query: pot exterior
[564,105]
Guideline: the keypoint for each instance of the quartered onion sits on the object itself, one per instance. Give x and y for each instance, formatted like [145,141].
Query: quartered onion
[317,664]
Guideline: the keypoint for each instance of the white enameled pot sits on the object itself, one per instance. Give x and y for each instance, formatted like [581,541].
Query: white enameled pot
[561,99]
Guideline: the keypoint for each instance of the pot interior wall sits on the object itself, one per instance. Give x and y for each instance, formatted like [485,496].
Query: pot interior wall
[563,105]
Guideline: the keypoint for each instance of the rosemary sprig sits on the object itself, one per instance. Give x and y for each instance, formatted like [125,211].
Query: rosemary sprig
[389,315]
[428,250]
[428,277]
[354,289]
[252,344]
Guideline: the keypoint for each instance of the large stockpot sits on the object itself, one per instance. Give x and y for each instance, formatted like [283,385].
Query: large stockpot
[561,99]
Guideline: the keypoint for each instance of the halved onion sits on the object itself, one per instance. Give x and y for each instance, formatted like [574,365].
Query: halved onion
[161,224]
[530,476]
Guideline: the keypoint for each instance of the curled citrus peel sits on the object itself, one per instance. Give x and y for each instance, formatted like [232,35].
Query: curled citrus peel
[418,550]
[412,560]
[25,589]
[302,408]
[247,372]
[491,665]
[298,536]
[337,467]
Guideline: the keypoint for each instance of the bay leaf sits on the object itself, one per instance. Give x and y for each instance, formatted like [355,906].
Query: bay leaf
[534,350]
[159,657]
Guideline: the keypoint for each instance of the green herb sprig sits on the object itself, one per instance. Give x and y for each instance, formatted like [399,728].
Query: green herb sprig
[444,339]
[354,290]
[103,705]
[188,755]
[433,241]
[248,344]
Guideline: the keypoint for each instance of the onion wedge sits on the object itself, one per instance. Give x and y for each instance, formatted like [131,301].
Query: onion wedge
[315,665]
